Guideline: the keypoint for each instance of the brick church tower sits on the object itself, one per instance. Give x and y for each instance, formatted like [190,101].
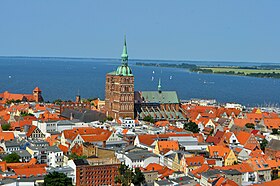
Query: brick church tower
[119,90]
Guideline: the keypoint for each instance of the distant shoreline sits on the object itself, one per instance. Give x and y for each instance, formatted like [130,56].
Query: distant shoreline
[261,71]
[152,60]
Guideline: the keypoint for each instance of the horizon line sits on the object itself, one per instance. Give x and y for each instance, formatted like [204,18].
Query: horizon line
[133,59]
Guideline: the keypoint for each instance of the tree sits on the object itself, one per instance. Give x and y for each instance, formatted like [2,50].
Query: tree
[191,126]
[109,118]
[127,176]
[149,119]
[263,144]
[12,158]
[138,178]
[6,126]
[250,125]
[75,156]
[275,131]
[57,101]
[57,179]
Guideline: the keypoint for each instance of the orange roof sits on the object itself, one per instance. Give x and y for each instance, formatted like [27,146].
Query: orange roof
[196,160]
[162,123]
[148,139]
[162,170]
[257,154]
[63,148]
[258,164]
[254,116]
[243,137]
[30,170]
[197,172]
[3,166]
[72,133]
[242,122]
[168,145]
[214,140]
[52,139]
[31,130]
[21,123]
[9,96]
[125,131]
[7,136]
[32,161]
[77,149]
[272,123]
[242,167]
[211,162]
[220,151]
[273,163]
[176,129]
[269,183]
[96,137]
[37,90]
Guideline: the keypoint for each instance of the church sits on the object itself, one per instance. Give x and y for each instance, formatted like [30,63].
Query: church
[122,101]
[119,90]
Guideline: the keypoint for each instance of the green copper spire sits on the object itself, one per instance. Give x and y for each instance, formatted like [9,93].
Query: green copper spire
[159,86]
[124,69]
[124,53]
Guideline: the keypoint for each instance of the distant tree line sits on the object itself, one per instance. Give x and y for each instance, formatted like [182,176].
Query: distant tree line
[195,68]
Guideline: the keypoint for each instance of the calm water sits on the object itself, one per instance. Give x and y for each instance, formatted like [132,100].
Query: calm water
[62,78]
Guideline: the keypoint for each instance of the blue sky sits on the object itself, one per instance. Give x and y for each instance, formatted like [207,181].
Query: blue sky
[221,30]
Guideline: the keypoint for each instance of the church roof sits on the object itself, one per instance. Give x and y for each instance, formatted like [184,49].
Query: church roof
[159,97]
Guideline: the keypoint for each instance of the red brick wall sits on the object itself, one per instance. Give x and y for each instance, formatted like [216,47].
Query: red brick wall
[96,175]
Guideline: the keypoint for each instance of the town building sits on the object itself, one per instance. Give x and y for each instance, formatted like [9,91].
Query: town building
[88,173]
[36,96]
[119,90]
[160,105]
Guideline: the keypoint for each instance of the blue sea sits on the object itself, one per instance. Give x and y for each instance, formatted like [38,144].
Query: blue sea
[63,78]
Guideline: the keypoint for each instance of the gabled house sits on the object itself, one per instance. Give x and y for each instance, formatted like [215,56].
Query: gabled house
[246,138]
[262,168]
[222,152]
[35,133]
[162,147]
[190,163]
[172,159]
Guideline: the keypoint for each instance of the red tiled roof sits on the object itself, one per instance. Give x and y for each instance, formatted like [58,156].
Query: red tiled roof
[170,145]
[31,130]
[148,139]
[196,160]
[37,89]
[269,183]
[243,137]
[7,136]
[272,123]
[63,148]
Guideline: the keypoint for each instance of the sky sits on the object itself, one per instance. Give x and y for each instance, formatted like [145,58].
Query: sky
[213,30]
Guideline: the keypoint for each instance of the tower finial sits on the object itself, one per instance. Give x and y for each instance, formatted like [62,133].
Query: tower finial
[124,53]
[159,86]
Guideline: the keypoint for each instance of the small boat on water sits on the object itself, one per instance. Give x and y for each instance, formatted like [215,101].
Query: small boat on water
[153,72]
[170,77]
[152,78]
